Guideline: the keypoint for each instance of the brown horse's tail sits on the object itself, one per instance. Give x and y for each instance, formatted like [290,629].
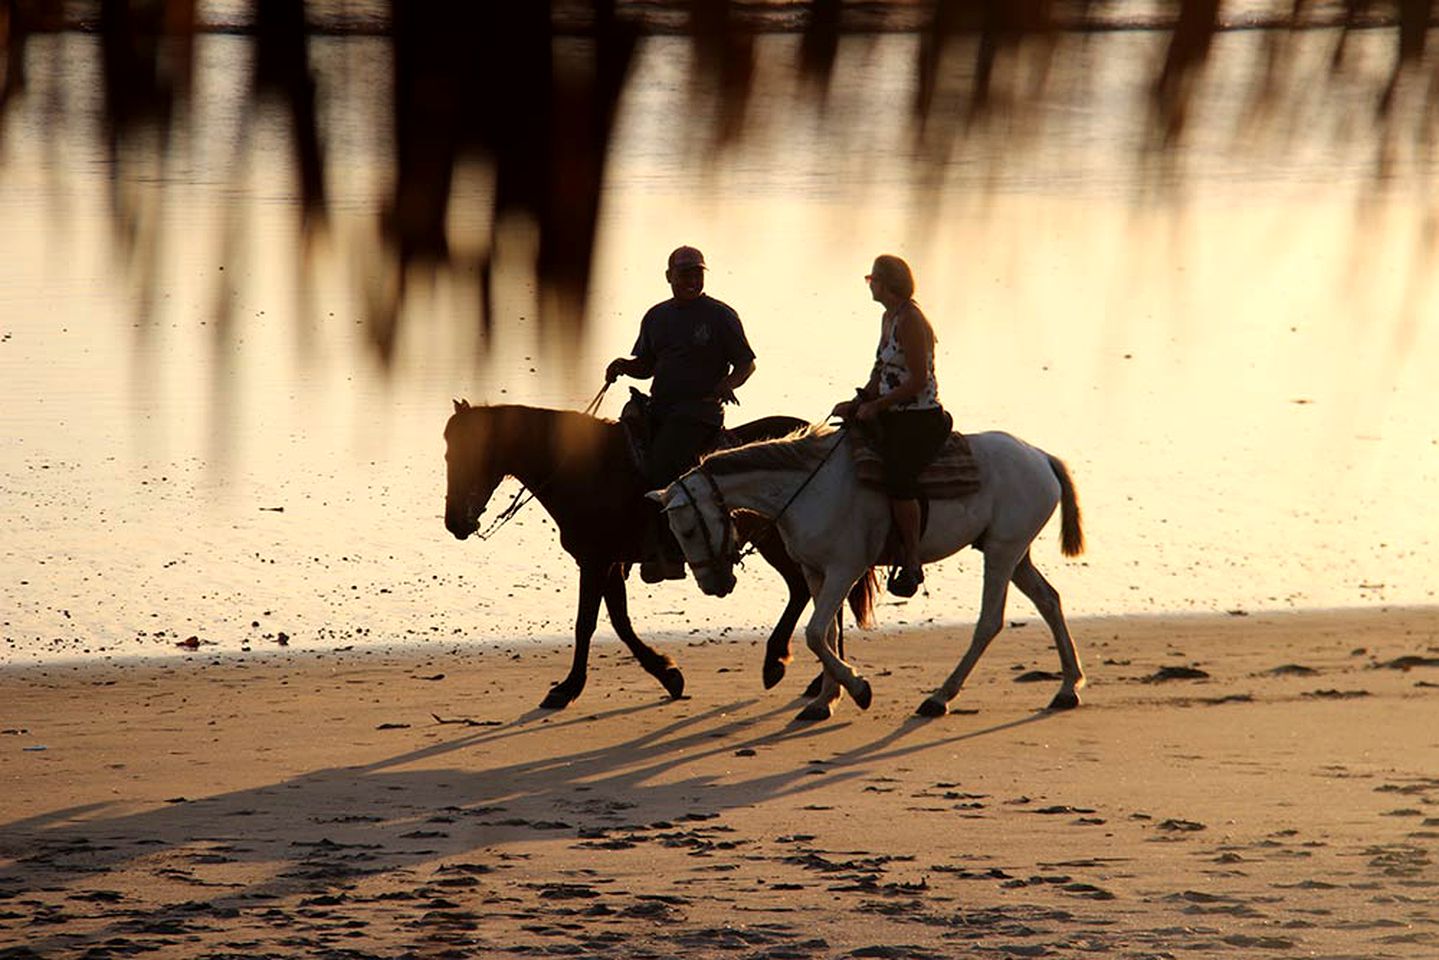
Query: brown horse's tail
[1071,534]
[861,598]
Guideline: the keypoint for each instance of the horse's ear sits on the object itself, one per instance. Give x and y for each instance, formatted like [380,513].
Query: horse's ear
[461,406]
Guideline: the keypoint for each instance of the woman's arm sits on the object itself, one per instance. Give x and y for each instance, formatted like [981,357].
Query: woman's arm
[914,338]
[871,389]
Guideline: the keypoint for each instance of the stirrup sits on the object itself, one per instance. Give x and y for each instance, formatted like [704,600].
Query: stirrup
[905,581]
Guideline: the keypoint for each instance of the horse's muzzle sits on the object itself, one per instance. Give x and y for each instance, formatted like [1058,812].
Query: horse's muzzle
[461,528]
[717,585]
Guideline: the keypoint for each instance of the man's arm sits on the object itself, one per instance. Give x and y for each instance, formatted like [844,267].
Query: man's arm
[641,368]
[641,365]
[736,378]
[739,354]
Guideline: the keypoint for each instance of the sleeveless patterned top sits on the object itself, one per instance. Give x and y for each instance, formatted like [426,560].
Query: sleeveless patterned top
[893,369]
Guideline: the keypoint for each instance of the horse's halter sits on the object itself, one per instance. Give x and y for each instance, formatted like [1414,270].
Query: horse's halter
[466,504]
[525,494]
[728,552]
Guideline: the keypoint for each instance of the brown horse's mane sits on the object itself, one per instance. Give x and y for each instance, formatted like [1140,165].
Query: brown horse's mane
[802,450]
[569,436]
[473,411]
[529,418]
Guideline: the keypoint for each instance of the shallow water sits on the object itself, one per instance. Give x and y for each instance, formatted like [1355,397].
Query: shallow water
[1232,346]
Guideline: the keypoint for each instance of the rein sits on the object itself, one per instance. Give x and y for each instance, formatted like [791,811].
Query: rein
[525,494]
[774,521]
[729,549]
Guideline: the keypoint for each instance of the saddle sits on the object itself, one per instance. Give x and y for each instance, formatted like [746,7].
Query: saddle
[953,472]
[635,418]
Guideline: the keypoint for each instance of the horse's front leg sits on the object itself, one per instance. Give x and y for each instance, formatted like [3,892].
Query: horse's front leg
[816,686]
[659,665]
[777,649]
[829,589]
[998,567]
[592,581]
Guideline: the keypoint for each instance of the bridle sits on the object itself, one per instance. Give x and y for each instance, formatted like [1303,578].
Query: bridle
[524,495]
[728,551]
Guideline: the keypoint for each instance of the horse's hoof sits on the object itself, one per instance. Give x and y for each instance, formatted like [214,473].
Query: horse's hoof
[1064,701]
[932,708]
[864,696]
[556,699]
[815,686]
[813,712]
[674,682]
[773,674]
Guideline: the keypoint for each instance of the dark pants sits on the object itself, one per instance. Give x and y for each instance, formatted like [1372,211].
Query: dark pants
[908,441]
[676,444]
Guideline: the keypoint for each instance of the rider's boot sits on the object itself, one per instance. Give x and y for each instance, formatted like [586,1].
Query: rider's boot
[905,581]
[662,557]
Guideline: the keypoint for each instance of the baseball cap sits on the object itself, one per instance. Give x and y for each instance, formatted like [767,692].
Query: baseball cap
[687,257]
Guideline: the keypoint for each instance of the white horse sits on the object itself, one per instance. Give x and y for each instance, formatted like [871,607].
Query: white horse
[836,528]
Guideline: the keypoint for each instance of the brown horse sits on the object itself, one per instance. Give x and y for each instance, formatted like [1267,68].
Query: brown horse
[580,469]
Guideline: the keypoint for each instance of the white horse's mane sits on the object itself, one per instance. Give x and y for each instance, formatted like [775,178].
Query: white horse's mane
[801,450]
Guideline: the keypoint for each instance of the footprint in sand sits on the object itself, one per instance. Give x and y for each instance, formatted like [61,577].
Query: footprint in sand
[1408,663]
[1292,670]
[1166,674]
[1175,825]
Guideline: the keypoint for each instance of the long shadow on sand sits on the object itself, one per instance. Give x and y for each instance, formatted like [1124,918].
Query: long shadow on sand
[324,829]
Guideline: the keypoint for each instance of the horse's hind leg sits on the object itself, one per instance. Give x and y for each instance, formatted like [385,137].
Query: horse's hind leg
[562,694]
[1046,600]
[659,665]
[998,567]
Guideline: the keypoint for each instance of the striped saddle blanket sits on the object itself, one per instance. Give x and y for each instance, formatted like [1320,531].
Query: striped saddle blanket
[952,473]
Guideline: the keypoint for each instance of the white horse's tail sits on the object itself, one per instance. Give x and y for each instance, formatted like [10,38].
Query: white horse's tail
[1071,533]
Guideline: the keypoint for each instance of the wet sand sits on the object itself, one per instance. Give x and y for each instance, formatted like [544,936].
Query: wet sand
[1260,785]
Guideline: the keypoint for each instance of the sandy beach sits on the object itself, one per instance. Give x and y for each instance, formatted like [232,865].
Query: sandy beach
[1259,785]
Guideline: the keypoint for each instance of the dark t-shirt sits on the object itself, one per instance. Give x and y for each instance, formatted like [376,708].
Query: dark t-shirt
[693,344]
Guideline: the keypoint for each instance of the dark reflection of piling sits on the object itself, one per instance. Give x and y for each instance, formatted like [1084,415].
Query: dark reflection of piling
[481,80]
[1189,47]
[820,45]
[992,29]
[282,75]
[147,64]
[530,90]
[723,66]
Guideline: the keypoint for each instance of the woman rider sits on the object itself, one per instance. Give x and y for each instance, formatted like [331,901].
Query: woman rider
[902,400]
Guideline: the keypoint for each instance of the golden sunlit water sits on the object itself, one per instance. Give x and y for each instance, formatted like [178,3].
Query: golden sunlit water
[1233,346]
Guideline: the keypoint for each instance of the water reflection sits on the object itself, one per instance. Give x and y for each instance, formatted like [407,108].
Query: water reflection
[1215,303]
[530,94]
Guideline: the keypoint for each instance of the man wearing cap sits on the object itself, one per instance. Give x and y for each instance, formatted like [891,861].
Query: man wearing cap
[695,348]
